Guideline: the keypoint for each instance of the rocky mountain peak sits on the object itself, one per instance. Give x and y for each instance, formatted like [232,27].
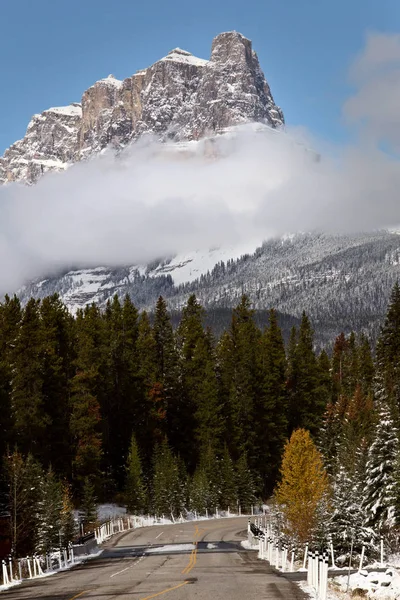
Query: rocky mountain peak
[179,97]
[231,46]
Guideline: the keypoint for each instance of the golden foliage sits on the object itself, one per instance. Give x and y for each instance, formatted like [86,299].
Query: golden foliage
[303,485]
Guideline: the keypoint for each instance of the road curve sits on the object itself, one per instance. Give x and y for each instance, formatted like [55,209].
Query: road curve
[192,561]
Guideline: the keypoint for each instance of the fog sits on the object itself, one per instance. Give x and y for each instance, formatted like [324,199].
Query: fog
[157,200]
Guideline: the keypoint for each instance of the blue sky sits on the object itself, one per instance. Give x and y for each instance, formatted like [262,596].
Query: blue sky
[52,50]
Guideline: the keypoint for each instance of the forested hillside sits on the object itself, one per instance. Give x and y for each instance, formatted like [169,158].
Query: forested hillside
[119,406]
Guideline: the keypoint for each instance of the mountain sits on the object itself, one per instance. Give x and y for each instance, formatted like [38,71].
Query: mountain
[180,97]
[342,281]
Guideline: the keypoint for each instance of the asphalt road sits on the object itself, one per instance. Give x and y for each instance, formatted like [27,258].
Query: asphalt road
[201,561]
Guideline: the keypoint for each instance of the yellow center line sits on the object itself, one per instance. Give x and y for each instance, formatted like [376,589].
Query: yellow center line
[80,594]
[163,592]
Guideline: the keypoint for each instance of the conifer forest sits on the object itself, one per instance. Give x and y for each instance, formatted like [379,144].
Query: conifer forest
[117,405]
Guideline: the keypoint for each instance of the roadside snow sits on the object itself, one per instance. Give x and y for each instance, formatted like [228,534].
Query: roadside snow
[171,548]
[248,546]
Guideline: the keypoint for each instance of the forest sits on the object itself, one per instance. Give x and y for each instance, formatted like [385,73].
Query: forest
[120,405]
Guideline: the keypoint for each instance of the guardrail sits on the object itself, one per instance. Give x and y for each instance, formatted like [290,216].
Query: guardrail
[315,565]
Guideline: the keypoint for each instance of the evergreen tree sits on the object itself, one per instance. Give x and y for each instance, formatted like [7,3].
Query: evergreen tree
[168,488]
[122,384]
[30,419]
[347,521]
[240,373]
[229,492]
[10,317]
[24,477]
[380,484]
[388,350]
[205,395]
[306,402]
[48,516]
[86,389]
[199,492]
[135,489]
[89,504]
[57,370]
[67,523]
[245,484]
[271,405]
[167,396]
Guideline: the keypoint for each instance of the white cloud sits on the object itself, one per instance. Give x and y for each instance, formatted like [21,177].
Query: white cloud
[152,201]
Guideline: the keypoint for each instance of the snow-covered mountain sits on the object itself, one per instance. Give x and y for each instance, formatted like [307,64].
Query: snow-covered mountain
[342,281]
[180,97]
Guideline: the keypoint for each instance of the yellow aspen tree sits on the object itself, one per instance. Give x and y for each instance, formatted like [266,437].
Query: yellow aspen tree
[302,486]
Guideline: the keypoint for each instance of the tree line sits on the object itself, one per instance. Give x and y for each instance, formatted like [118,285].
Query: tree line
[346,483]
[118,404]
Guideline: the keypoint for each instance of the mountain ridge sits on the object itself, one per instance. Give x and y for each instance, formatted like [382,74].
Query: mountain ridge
[179,97]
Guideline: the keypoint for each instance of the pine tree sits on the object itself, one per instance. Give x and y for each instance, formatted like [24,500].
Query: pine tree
[48,516]
[24,477]
[10,317]
[199,492]
[306,403]
[245,484]
[89,504]
[347,521]
[240,375]
[229,493]
[67,523]
[58,355]
[30,418]
[168,488]
[168,394]
[380,484]
[120,374]
[302,487]
[271,405]
[86,389]
[205,395]
[135,489]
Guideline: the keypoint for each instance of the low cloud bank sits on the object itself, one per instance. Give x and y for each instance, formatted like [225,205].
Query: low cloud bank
[157,200]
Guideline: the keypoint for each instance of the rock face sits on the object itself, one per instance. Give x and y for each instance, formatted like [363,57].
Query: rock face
[180,97]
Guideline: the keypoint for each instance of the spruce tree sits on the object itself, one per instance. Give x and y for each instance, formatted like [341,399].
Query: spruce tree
[168,491]
[28,402]
[89,504]
[229,493]
[271,404]
[380,484]
[240,374]
[48,516]
[199,492]
[306,402]
[245,484]
[68,527]
[24,477]
[135,491]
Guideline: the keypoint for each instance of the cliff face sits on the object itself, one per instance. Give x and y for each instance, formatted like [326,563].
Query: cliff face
[180,97]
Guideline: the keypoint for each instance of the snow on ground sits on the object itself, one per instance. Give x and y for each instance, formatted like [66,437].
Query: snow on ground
[77,561]
[73,110]
[248,545]
[372,585]
[182,56]
[171,548]
[185,268]
[110,511]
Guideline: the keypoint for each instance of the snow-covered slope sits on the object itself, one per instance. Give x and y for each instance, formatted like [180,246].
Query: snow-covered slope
[342,281]
[180,97]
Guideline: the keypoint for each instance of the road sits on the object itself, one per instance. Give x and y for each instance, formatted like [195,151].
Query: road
[191,561]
